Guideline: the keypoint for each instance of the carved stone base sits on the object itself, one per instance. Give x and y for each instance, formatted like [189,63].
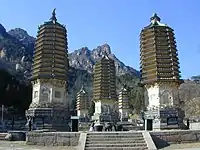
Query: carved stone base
[106,111]
[105,118]
[48,118]
[167,118]
[84,119]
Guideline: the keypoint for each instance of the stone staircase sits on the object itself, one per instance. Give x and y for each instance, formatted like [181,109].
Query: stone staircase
[115,141]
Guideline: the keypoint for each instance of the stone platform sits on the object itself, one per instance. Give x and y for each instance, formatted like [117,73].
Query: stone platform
[164,118]
[52,138]
[49,118]
[21,145]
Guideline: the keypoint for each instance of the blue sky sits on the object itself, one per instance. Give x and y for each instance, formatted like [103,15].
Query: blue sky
[116,22]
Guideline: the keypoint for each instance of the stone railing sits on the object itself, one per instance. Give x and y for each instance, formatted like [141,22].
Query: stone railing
[52,138]
[165,138]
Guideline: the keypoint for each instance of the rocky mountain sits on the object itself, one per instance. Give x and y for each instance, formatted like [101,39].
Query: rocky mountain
[11,48]
[24,38]
[13,52]
[16,51]
[85,59]
[17,46]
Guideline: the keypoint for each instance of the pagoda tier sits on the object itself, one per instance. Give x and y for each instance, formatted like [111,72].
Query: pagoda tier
[123,99]
[50,56]
[158,54]
[82,100]
[104,84]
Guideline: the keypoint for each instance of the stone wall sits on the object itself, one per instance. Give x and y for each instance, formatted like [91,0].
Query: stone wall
[52,138]
[165,138]
[195,125]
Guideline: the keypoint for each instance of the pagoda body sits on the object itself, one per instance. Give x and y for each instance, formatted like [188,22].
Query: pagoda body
[49,107]
[159,66]
[82,105]
[104,90]
[123,104]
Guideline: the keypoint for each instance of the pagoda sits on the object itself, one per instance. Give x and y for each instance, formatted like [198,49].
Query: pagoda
[49,107]
[82,105]
[104,90]
[123,104]
[160,73]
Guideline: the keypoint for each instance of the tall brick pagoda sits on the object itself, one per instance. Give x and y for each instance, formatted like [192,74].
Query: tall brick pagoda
[104,90]
[82,104]
[49,77]
[159,66]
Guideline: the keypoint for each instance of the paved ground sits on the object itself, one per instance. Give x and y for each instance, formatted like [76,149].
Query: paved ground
[186,146]
[5,145]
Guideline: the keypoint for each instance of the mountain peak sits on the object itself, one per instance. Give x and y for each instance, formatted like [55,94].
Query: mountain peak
[19,30]
[105,48]
[22,36]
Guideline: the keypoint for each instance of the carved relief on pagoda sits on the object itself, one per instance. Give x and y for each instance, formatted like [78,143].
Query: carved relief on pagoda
[45,94]
[106,109]
[166,97]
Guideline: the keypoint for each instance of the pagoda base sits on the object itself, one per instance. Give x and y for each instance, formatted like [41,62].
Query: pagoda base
[56,119]
[84,119]
[124,114]
[124,119]
[105,118]
[106,111]
[165,119]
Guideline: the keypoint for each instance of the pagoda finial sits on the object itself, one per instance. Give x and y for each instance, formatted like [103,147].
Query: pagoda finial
[105,55]
[53,18]
[82,90]
[155,17]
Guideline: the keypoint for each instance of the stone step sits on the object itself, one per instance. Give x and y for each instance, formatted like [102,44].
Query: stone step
[135,135]
[114,136]
[113,141]
[116,148]
[114,133]
[118,145]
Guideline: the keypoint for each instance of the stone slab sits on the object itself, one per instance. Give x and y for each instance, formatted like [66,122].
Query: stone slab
[52,138]
[166,138]
[21,145]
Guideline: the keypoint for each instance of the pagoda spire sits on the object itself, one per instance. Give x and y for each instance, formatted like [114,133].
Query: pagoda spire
[105,55]
[155,17]
[53,17]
